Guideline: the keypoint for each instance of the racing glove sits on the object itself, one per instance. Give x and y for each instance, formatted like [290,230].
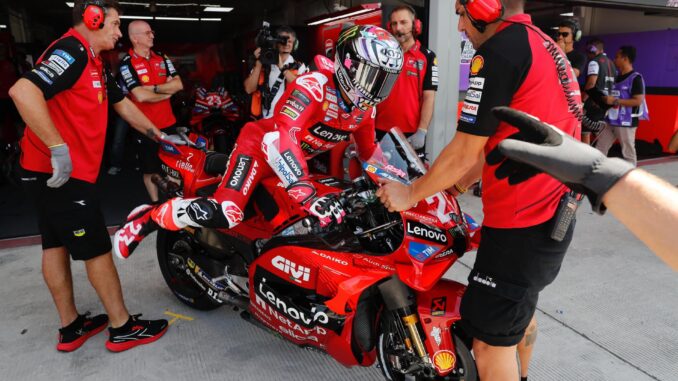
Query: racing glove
[174,139]
[61,165]
[418,139]
[323,205]
[540,147]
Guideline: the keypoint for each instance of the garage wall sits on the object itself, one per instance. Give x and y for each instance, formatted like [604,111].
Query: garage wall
[608,21]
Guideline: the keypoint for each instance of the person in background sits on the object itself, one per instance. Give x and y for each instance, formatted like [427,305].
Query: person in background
[152,80]
[600,75]
[628,106]
[267,84]
[570,32]
[410,105]
[64,102]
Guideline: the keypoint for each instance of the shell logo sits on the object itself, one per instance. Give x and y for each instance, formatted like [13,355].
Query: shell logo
[477,64]
[444,361]
[145,79]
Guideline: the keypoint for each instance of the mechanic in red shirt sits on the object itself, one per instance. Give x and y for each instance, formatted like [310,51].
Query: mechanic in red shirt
[410,106]
[152,80]
[317,111]
[64,102]
[515,65]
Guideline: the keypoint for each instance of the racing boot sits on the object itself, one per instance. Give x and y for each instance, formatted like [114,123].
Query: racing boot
[139,224]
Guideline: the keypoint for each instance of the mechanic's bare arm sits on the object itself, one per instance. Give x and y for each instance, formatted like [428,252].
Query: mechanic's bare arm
[590,83]
[171,87]
[30,101]
[427,104]
[145,94]
[132,115]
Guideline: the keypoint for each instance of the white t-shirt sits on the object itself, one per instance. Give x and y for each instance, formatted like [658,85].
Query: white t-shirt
[273,77]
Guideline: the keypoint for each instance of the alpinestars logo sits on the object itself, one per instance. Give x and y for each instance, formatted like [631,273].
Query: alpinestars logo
[426,232]
[297,272]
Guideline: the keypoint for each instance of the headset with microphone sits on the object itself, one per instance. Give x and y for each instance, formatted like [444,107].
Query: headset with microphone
[483,12]
[94,14]
[574,26]
[416,24]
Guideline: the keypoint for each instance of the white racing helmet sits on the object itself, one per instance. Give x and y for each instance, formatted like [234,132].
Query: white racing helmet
[367,63]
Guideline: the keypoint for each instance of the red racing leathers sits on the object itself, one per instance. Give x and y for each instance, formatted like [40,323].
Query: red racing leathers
[310,118]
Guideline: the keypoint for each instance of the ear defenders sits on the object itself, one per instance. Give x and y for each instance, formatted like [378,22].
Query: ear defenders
[416,24]
[483,12]
[94,14]
[576,29]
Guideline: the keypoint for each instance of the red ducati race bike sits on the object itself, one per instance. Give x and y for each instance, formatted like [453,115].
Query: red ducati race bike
[368,289]
[218,117]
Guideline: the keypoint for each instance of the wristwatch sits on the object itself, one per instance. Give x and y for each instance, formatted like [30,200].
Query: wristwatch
[615,103]
[155,89]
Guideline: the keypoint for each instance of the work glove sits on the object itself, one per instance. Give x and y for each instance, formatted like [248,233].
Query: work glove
[540,147]
[174,139]
[325,207]
[418,139]
[61,165]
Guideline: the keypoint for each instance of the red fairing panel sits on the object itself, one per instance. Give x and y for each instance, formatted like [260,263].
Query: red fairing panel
[438,309]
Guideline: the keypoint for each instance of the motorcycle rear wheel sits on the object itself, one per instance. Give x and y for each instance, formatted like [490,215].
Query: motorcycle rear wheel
[172,249]
[465,367]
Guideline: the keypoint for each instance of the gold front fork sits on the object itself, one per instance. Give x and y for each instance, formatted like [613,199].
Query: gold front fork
[410,322]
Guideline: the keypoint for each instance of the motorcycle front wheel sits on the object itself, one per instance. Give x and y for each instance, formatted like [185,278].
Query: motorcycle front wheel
[390,350]
[173,249]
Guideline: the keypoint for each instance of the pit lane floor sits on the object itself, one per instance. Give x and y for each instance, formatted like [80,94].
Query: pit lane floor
[610,315]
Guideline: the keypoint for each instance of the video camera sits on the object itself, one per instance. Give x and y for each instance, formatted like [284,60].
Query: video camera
[267,42]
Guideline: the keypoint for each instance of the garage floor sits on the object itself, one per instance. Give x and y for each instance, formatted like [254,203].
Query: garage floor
[610,315]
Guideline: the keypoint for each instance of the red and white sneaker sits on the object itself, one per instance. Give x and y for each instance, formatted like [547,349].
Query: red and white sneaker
[139,225]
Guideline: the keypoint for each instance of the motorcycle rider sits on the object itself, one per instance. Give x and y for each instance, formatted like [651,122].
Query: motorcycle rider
[317,111]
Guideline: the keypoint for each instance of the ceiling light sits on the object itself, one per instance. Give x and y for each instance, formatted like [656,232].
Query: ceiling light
[210,19]
[136,17]
[360,11]
[178,18]
[218,9]
[567,14]
[70,4]
[3,26]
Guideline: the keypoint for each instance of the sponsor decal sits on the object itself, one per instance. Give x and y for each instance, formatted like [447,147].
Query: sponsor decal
[60,61]
[329,134]
[145,78]
[301,97]
[96,84]
[330,258]
[477,64]
[55,68]
[65,56]
[142,71]
[468,118]
[266,296]
[169,148]
[125,73]
[438,306]
[289,113]
[444,361]
[412,73]
[293,163]
[283,170]
[295,105]
[435,334]
[242,167]
[331,97]
[184,165]
[326,105]
[79,233]
[331,114]
[444,253]
[435,61]
[474,96]
[297,272]
[476,83]
[171,172]
[420,64]
[485,280]
[46,70]
[250,179]
[314,83]
[421,217]
[293,134]
[333,106]
[233,213]
[100,97]
[428,233]
[420,251]
[470,108]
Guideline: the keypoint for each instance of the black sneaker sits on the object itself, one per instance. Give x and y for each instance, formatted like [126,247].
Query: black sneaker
[135,332]
[83,327]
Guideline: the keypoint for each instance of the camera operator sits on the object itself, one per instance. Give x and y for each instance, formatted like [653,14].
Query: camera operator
[268,78]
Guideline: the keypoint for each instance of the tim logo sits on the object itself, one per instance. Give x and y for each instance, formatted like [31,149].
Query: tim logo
[298,273]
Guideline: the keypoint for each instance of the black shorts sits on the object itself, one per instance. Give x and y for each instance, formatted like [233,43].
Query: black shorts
[511,268]
[68,216]
[149,161]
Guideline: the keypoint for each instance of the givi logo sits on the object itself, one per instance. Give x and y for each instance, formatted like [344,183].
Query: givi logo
[298,273]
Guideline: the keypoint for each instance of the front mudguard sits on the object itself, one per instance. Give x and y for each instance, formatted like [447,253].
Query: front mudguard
[438,310]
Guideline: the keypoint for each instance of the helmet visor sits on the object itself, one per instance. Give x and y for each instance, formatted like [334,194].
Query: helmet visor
[375,83]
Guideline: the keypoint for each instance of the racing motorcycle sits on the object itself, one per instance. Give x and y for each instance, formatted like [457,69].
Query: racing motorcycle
[216,116]
[368,289]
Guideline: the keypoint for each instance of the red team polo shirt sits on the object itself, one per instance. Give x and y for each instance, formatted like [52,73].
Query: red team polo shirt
[402,108]
[77,89]
[156,70]
[522,68]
